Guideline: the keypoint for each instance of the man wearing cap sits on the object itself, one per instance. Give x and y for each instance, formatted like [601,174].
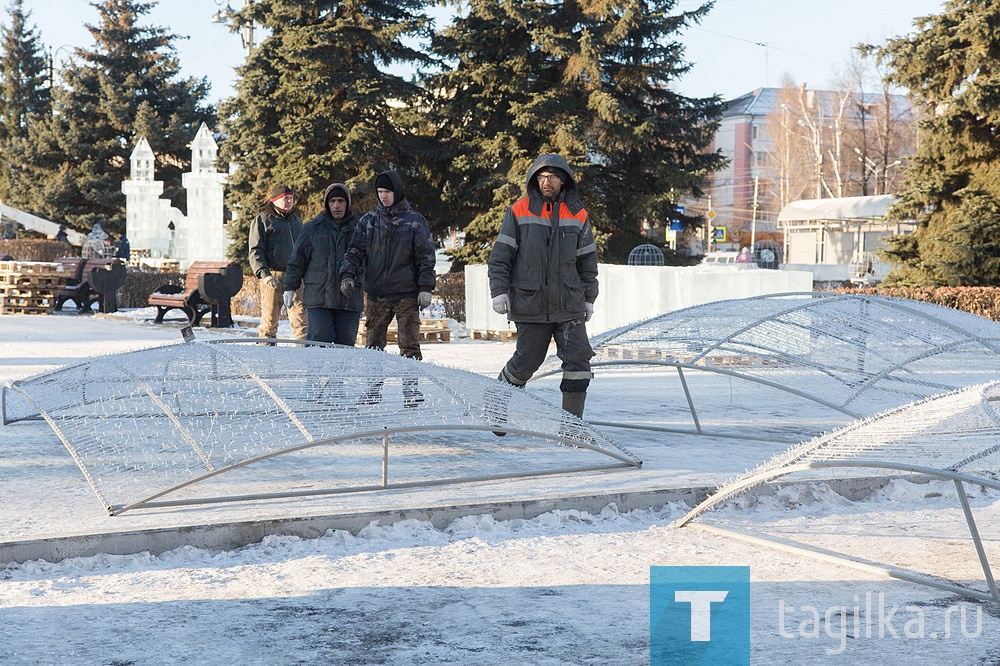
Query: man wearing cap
[543,276]
[393,244]
[315,265]
[272,237]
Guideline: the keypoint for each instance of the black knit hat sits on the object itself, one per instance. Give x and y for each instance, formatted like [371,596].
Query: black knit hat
[279,191]
[338,190]
[384,182]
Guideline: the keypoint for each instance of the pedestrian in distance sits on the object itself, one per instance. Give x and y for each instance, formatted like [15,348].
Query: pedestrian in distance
[124,251]
[315,266]
[93,246]
[272,237]
[392,244]
[543,276]
[61,235]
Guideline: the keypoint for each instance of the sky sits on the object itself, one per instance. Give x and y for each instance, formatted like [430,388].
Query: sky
[741,44]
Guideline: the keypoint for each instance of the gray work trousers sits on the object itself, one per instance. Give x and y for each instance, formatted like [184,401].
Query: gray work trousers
[572,347]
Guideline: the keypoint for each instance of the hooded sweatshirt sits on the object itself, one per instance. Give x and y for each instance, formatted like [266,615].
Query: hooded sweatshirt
[394,245]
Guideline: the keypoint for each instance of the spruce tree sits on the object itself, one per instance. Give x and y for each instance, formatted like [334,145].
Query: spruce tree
[24,98]
[588,80]
[951,66]
[125,87]
[315,104]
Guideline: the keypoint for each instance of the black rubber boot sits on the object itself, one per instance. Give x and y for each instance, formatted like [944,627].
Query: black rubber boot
[412,397]
[573,402]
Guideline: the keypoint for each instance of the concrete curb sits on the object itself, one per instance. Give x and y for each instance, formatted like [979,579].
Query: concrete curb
[232,535]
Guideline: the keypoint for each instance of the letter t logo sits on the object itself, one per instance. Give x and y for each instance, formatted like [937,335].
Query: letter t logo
[701,610]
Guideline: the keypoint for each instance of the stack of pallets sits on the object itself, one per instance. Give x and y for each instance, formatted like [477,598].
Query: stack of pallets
[29,287]
[431,330]
[502,336]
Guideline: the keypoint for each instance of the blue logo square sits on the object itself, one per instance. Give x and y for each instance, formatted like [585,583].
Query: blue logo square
[699,615]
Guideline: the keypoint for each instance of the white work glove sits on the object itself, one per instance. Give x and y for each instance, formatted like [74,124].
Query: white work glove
[270,281]
[288,298]
[501,304]
[347,287]
[589,307]
[424,299]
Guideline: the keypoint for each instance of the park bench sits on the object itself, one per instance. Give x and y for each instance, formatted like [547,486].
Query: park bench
[72,269]
[90,281]
[209,287]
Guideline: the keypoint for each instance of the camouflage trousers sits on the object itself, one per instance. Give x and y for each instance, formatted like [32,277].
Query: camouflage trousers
[378,316]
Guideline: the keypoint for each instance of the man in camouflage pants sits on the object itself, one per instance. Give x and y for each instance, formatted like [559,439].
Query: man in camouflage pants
[407,313]
[394,244]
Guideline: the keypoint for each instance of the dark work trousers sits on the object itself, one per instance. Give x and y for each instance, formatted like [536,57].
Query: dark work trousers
[329,325]
[572,347]
[378,316]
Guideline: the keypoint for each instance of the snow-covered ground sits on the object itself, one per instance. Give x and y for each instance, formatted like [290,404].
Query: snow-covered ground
[566,587]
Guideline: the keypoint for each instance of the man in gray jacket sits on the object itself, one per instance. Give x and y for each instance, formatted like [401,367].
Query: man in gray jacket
[272,237]
[315,262]
[543,276]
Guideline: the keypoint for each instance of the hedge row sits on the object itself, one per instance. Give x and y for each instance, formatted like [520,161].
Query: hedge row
[982,301]
[33,249]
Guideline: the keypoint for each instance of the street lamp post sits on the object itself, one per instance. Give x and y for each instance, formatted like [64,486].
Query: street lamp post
[229,17]
[873,168]
[52,56]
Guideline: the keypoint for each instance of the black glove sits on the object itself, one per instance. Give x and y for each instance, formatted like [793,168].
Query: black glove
[347,287]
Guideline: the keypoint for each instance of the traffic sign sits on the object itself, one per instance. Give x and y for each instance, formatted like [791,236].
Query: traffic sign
[719,234]
[711,215]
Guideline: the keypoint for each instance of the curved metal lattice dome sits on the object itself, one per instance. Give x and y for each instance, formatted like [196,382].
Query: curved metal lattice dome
[952,432]
[646,254]
[952,437]
[145,424]
[854,354]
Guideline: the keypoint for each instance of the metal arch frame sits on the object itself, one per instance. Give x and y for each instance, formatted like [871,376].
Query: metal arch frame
[149,500]
[811,299]
[698,430]
[624,458]
[958,478]
[59,433]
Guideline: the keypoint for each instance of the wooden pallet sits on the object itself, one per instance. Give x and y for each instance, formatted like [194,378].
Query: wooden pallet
[21,280]
[35,299]
[431,330]
[28,290]
[25,310]
[502,336]
[630,354]
[28,287]
[30,267]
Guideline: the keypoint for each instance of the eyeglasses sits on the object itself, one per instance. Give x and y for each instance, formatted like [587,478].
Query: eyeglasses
[548,177]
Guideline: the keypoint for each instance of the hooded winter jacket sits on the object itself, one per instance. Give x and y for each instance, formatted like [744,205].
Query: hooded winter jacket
[395,246]
[318,254]
[545,257]
[272,237]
